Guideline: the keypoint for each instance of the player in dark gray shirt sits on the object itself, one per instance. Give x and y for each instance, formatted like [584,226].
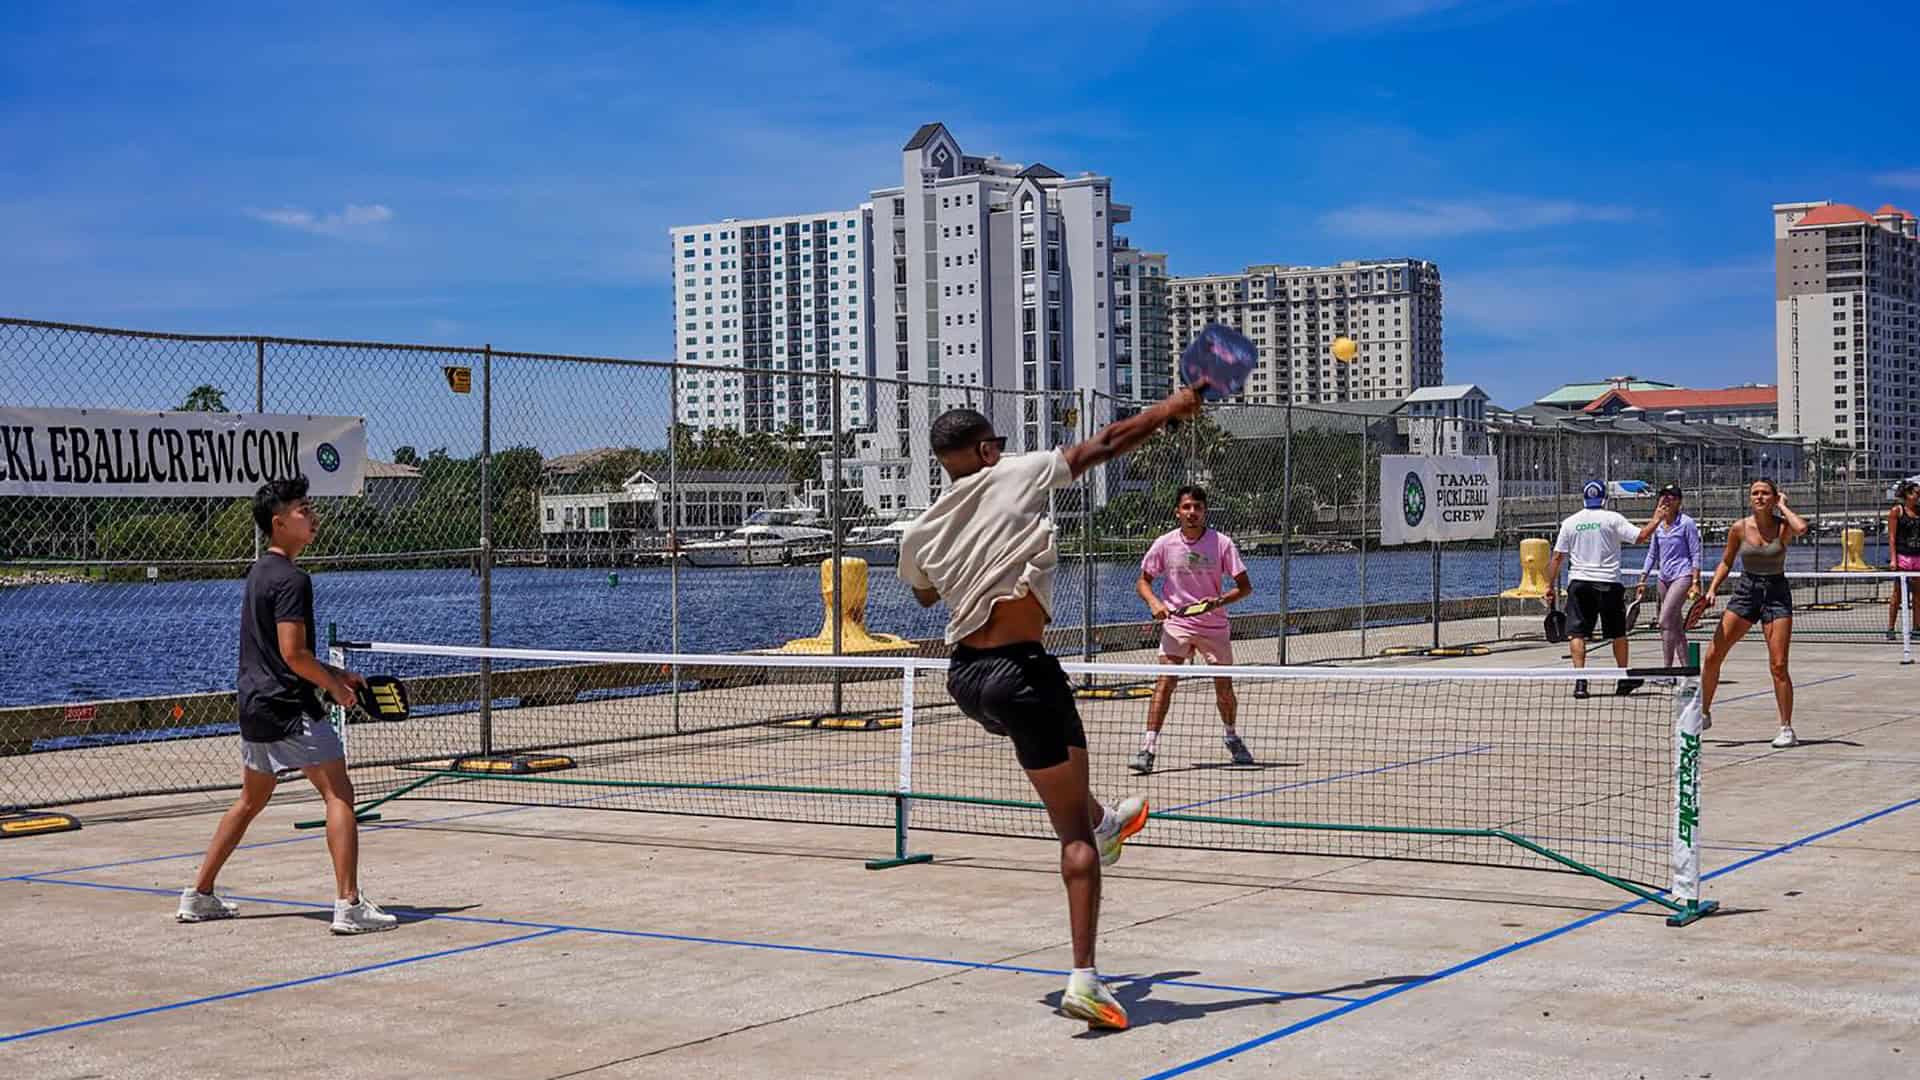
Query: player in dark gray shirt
[283,723]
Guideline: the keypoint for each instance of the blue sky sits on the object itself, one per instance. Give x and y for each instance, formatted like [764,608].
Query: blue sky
[1593,179]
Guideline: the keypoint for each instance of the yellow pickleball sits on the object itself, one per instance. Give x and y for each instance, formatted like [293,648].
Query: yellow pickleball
[1344,350]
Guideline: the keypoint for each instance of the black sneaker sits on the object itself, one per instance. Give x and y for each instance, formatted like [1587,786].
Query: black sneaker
[1580,688]
[1627,686]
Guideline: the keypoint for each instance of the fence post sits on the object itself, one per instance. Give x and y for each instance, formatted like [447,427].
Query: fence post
[836,510]
[1086,536]
[1366,479]
[1819,505]
[486,547]
[259,405]
[1286,528]
[673,532]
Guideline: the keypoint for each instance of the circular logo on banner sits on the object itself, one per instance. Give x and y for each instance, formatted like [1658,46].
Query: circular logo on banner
[1413,500]
[329,457]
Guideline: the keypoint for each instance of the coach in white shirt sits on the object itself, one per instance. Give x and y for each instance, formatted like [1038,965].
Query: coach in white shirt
[1591,538]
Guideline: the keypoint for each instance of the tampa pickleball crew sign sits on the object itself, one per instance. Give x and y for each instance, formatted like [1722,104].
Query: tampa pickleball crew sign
[110,452]
[1440,497]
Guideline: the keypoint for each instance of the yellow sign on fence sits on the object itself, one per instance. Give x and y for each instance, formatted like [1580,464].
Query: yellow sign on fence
[459,379]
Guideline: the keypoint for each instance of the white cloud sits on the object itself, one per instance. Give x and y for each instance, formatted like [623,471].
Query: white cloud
[354,216]
[1906,179]
[1425,219]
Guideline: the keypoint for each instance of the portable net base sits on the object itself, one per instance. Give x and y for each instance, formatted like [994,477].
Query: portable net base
[1480,767]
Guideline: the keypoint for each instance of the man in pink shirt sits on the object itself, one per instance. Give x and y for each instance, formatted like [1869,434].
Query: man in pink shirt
[1192,560]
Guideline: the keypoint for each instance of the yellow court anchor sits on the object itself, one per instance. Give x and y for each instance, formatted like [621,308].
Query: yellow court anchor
[1534,554]
[1853,550]
[852,610]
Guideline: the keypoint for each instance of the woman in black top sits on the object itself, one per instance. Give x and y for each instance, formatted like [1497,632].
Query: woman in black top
[1903,545]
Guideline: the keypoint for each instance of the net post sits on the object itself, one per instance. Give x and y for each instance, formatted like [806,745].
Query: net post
[336,657]
[902,796]
[1687,722]
[337,716]
[1906,619]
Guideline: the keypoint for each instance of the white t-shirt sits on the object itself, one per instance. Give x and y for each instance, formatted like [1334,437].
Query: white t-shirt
[1591,541]
[987,539]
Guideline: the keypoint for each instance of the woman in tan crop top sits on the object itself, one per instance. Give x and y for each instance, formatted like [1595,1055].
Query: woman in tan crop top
[1760,542]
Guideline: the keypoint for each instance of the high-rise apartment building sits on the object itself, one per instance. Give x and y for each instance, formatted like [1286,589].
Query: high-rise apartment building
[1143,342]
[994,280]
[1847,329]
[976,282]
[1389,307]
[773,296]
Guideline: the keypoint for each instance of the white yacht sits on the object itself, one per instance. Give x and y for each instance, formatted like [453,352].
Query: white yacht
[878,544]
[769,538]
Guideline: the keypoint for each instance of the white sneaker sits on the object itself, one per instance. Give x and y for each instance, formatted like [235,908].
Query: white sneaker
[196,906]
[1123,820]
[1785,739]
[360,916]
[1095,1004]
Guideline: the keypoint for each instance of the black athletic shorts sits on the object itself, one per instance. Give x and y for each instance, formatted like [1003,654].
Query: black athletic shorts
[1762,598]
[1602,602]
[1019,691]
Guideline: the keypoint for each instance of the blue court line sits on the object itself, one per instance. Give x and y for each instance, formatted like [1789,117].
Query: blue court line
[695,939]
[251,990]
[1481,749]
[1768,692]
[1489,957]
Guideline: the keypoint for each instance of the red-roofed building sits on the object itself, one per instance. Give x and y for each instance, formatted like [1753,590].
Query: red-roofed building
[1847,330]
[1755,408]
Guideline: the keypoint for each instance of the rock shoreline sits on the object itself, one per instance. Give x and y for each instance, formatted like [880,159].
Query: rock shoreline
[41,577]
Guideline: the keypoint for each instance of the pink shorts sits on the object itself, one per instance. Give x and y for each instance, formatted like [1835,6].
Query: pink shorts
[1906,562]
[1214,646]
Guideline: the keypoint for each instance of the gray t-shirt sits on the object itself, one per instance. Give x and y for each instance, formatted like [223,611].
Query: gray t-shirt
[988,539]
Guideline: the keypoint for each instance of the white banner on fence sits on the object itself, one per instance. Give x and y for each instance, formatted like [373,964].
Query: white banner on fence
[110,452]
[1437,497]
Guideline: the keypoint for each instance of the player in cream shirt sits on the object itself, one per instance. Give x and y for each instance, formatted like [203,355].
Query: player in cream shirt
[986,547]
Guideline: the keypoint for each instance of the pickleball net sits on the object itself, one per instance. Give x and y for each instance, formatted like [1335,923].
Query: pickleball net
[1849,607]
[1500,768]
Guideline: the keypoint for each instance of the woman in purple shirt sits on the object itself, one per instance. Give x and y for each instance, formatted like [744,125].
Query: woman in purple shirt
[1673,559]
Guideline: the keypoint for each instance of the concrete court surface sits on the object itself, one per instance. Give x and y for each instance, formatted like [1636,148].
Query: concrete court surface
[552,942]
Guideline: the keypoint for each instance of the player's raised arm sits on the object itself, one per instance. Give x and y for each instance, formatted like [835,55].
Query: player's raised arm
[1123,435]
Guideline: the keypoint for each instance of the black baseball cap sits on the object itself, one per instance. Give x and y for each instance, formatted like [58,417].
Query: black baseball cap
[1671,489]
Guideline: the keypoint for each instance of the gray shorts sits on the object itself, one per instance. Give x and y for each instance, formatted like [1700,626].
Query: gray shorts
[316,743]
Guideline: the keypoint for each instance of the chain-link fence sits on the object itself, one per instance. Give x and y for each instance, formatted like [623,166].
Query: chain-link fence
[583,503]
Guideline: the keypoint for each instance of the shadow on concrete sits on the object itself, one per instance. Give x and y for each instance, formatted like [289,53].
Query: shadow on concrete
[1135,994]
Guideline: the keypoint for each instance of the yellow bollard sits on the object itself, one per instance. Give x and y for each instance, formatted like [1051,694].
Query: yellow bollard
[1853,550]
[1534,554]
[854,637]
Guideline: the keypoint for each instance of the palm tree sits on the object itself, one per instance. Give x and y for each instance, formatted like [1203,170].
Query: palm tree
[205,398]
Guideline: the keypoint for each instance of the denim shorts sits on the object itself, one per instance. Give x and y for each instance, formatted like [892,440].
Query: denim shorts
[1763,598]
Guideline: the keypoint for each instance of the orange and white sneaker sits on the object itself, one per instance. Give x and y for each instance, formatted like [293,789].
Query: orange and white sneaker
[1087,998]
[1124,820]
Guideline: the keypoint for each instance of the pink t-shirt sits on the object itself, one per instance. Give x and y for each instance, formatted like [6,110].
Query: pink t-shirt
[1191,572]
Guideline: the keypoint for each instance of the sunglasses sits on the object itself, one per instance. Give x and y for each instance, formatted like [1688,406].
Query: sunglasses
[998,442]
